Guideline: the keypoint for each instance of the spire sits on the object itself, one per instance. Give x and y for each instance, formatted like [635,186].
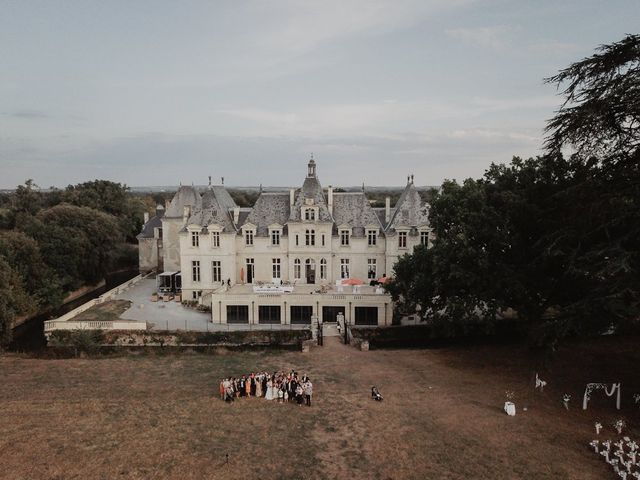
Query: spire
[209,180]
[311,167]
[222,178]
[363,186]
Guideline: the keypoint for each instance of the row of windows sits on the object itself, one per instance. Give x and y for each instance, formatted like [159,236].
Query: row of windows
[310,238]
[300,314]
[216,268]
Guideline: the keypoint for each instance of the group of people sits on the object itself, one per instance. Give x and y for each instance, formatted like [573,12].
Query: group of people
[279,386]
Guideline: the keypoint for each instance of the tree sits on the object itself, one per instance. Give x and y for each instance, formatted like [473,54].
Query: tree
[22,253]
[77,242]
[601,112]
[557,239]
[14,301]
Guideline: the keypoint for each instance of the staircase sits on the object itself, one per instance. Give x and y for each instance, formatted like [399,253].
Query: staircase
[330,330]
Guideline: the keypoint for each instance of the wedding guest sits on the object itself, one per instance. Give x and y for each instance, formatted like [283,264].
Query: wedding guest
[258,386]
[252,387]
[299,392]
[264,384]
[242,386]
[308,391]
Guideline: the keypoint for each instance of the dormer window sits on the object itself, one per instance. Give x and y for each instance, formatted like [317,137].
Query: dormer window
[195,239]
[248,237]
[310,214]
[344,238]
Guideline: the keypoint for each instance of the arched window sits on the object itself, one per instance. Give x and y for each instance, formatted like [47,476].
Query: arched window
[323,269]
[310,238]
[297,270]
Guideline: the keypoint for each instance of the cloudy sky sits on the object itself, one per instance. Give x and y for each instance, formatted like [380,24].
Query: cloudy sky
[162,92]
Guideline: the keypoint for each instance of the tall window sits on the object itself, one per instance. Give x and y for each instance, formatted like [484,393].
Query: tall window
[275,268]
[372,237]
[275,237]
[195,239]
[424,238]
[323,269]
[310,237]
[297,269]
[344,237]
[344,268]
[216,269]
[215,239]
[323,239]
[371,268]
[248,237]
[297,240]
[402,239]
[195,270]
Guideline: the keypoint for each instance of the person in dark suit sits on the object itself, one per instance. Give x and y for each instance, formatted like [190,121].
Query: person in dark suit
[253,385]
[264,385]
[243,386]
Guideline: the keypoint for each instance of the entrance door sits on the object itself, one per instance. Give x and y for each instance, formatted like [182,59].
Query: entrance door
[310,270]
[250,271]
[330,314]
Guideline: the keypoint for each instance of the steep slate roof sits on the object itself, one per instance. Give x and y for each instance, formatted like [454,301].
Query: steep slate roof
[269,209]
[311,188]
[184,196]
[410,211]
[354,209]
[380,212]
[153,223]
[214,209]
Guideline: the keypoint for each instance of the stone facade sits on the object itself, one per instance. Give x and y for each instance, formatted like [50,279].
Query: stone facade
[303,237]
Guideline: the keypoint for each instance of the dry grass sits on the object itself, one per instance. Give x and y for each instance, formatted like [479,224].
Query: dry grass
[107,311]
[158,416]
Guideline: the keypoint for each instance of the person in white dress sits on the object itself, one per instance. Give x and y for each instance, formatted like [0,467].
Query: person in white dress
[269,395]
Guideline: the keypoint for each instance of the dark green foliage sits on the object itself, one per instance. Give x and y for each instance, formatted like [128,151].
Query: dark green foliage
[555,239]
[23,254]
[601,112]
[82,341]
[112,198]
[14,300]
[78,243]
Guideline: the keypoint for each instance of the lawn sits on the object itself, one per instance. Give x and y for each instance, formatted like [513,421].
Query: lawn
[154,416]
[107,311]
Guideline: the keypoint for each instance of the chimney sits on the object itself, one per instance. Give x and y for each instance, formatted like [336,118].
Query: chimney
[186,212]
[292,194]
[236,215]
[387,209]
[330,199]
[146,217]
